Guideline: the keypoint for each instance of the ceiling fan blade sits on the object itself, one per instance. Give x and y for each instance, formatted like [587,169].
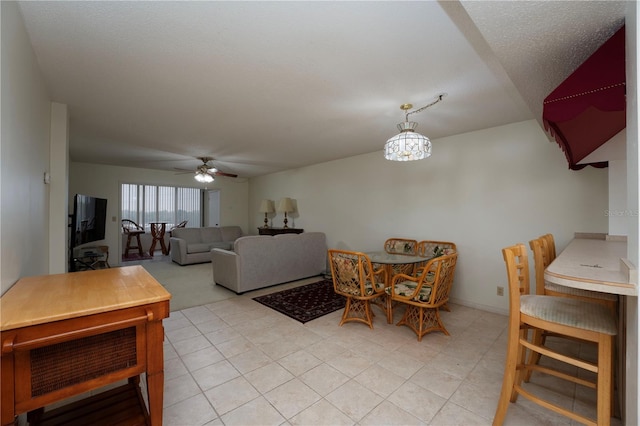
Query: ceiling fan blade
[219,173]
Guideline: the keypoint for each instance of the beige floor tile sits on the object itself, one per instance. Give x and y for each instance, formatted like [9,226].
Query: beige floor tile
[388,414]
[354,400]
[299,362]
[231,395]
[269,377]
[194,411]
[321,413]
[350,364]
[183,333]
[179,389]
[292,397]
[454,415]
[417,401]
[192,344]
[436,381]
[249,360]
[173,368]
[324,379]
[215,374]
[258,412]
[199,314]
[380,380]
[199,359]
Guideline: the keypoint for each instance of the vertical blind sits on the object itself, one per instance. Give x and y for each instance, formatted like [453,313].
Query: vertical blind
[153,203]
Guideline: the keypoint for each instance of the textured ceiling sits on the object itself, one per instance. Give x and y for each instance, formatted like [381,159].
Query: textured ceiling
[268,86]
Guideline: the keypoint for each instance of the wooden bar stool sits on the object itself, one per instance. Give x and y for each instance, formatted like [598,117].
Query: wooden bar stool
[131,230]
[567,317]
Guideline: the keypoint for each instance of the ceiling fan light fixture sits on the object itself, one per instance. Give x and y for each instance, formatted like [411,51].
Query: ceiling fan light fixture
[203,177]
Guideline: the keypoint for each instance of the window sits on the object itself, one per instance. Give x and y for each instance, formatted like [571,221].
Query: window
[171,204]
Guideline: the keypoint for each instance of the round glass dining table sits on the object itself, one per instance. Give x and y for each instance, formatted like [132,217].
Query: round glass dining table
[394,263]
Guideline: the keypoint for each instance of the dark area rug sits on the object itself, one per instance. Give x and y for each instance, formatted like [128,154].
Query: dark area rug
[135,256]
[306,302]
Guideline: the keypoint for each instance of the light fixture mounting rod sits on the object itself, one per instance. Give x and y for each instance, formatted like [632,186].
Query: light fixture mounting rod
[406,107]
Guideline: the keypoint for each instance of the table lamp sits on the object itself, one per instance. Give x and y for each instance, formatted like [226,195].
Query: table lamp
[266,207]
[285,206]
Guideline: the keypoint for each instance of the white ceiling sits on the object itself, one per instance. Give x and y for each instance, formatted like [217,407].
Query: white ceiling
[269,86]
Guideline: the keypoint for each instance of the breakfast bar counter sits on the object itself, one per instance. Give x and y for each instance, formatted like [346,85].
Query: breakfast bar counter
[596,265]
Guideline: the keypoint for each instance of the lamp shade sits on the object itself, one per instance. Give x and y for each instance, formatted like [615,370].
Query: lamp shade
[266,206]
[285,205]
[407,145]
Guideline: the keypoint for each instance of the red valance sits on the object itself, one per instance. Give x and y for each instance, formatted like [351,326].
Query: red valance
[589,107]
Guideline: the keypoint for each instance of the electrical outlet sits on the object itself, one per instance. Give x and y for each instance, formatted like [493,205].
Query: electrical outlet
[500,291]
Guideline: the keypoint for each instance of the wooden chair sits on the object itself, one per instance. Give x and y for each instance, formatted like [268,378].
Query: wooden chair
[354,278]
[563,316]
[544,252]
[425,294]
[132,230]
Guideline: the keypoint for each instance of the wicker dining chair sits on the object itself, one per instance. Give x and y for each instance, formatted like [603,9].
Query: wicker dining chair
[430,249]
[354,278]
[425,294]
[570,318]
[402,246]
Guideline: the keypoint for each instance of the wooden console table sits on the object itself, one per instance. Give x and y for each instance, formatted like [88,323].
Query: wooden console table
[276,231]
[65,334]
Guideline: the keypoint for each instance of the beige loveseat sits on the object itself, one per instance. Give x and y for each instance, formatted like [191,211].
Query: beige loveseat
[193,245]
[261,260]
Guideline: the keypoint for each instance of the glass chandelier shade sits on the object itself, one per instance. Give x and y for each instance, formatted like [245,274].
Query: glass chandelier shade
[408,145]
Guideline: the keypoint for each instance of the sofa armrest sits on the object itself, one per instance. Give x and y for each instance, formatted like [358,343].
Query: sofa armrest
[226,268]
[178,250]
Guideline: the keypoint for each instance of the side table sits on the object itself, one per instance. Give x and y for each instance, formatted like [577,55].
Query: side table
[276,231]
[157,232]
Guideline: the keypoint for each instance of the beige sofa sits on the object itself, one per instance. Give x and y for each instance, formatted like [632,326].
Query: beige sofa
[193,245]
[261,260]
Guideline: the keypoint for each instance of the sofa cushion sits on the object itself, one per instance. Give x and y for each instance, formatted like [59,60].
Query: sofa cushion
[210,234]
[230,233]
[225,245]
[198,247]
[190,235]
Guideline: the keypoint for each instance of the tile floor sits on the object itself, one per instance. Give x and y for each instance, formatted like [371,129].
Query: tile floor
[237,362]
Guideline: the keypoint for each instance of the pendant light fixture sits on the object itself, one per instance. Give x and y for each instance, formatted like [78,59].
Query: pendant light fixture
[408,145]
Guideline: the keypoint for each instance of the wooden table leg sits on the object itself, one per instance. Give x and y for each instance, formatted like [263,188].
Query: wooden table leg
[155,371]
[7,389]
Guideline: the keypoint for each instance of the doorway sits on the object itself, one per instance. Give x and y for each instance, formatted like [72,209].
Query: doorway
[213,208]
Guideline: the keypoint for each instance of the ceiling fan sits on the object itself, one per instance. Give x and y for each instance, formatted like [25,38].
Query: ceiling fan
[206,172]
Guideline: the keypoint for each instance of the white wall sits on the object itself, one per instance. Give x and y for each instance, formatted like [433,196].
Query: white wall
[482,190]
[104,182]
[24,155]
[58,187]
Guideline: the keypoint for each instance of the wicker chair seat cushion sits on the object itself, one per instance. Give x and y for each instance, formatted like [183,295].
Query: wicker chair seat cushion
[407,288]
[570,312]
[580,292]
[354,289]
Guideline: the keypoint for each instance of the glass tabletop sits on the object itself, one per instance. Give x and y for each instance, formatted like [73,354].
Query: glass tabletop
[384,257]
